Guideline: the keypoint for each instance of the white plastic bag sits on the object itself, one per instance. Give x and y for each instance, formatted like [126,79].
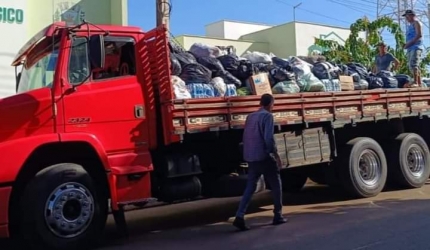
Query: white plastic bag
[202,50]
[257,57]
[219,86]
[179,88]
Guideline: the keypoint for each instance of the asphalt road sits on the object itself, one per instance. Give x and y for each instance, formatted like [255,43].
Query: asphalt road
[319,218]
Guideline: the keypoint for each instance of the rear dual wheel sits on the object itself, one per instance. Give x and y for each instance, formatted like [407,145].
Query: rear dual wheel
[408,160]
[363,167]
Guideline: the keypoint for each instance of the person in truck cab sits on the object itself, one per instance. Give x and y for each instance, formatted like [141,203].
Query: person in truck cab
[259,150]
[384,60]
[112,59]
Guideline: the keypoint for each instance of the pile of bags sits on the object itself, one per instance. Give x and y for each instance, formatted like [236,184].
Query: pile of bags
[206,71]
[200,73]
[362,78]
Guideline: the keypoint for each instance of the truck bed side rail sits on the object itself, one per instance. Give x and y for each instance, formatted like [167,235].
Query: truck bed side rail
[198,115]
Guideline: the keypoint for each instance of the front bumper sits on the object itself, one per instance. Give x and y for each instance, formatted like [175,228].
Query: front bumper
[4,211]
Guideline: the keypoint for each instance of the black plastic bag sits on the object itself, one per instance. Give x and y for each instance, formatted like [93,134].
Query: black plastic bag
[175,66]
[213,65]
[244,70]
[359,68]
[229,62]
[281,74]
[402,80]
[355,76]
[325,70]
[258,68]
[388,78]
[195,73]
[185,58]
[343,69]
[230,79]
[284,64]
[175,48]
[375,82]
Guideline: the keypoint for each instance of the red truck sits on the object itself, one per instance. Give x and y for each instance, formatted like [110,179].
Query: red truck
[88,138]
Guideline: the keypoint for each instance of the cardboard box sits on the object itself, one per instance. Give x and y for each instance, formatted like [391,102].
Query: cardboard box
[260,84]
[346,83]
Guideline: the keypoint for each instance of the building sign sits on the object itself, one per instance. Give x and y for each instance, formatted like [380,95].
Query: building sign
[314,50]
[11,15]
[70,12]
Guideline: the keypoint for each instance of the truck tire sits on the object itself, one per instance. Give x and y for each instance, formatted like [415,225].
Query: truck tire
[61,208]
[409,161]
[363,167]
[292,180]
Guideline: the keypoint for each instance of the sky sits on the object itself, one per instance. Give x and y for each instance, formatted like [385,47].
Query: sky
[189,17]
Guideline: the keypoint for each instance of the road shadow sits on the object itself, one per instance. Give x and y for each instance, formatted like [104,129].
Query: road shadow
[199,220]
[333,226]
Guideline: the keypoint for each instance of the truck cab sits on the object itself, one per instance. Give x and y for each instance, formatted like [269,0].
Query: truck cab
[79,90]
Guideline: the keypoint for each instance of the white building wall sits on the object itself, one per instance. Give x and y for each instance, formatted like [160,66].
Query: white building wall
[306,34]
[232,30]
[13,23]
[215,30]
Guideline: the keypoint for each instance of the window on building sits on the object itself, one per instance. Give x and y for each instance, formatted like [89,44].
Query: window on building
[39,69]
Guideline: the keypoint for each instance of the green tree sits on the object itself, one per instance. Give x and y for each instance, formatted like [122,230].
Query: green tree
[364,51]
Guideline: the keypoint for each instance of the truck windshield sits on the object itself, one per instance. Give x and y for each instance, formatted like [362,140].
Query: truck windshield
[39,68]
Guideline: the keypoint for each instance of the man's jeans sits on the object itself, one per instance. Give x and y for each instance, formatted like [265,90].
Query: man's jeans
[270,171]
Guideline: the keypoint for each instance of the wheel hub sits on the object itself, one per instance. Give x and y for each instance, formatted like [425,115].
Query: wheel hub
[369,167]
[415,160]
[69,210]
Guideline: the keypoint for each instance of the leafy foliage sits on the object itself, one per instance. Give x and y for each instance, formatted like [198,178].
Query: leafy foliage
[357,49]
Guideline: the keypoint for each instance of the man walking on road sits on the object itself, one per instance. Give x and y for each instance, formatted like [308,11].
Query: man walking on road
[259,150]
[414,44]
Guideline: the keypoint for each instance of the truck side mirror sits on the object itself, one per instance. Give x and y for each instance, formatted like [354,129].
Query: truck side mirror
[17,79]
[97,51]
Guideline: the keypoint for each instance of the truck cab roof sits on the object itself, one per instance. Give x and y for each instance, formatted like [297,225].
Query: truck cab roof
[51,30]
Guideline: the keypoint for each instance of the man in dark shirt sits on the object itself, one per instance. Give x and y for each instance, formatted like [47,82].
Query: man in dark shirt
[259,150]
[384,59]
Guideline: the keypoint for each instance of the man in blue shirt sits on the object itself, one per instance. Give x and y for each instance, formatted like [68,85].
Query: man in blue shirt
[414,44]
[259,150]
[384,59]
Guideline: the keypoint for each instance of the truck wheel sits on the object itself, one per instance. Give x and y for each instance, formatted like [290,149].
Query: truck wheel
[62,209]
[292,180]
[409,161]
[363,167]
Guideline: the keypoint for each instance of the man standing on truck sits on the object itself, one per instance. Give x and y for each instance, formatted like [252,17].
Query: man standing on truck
[384,59]
[414,44]
[259,150]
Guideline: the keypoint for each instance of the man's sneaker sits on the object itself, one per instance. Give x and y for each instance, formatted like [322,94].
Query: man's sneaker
[240,224]
[279,221]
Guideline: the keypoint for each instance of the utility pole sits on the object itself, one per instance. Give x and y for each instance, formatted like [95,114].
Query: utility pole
[294,11]
[399,13]
[163,8]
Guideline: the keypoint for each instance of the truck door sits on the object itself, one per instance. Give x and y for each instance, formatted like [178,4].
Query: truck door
[110,104]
